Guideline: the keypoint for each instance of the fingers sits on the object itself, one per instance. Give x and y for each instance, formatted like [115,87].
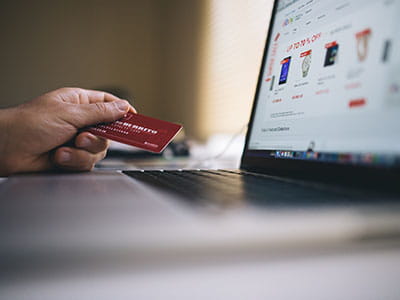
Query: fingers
[100,112]
[91,143]
[76,159]
[93,96]
[132,109]
[83,96]
[83,108]
[90,149]
[99,96]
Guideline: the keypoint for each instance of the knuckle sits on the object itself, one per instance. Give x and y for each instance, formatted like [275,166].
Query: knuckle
[64,90]
[101,106]
[68,91]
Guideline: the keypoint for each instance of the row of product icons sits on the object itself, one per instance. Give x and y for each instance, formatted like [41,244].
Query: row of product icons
[347,158]
[331,56]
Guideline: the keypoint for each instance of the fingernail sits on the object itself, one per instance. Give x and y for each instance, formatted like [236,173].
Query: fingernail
[85,142]
[122,106]
[65,156]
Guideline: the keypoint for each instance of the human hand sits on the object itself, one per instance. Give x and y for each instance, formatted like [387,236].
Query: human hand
[43,134]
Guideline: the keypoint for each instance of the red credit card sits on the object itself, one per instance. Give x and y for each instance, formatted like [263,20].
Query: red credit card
[138,130]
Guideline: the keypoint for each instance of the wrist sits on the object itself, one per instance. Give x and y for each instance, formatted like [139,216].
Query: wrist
[6,123]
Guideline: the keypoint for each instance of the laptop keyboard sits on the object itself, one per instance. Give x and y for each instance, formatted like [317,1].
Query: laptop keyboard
[234,187]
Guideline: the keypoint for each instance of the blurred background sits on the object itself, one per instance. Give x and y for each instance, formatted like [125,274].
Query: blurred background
[195,62]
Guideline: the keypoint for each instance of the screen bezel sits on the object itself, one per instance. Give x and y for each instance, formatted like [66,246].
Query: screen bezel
[348,174]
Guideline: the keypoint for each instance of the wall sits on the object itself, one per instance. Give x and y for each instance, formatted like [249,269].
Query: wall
[181,40]
[190,61]
[91,43]
[233,40]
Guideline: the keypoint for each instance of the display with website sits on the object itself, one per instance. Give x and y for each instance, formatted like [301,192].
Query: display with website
[330,86]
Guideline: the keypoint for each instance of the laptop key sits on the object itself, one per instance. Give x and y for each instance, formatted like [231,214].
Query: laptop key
[227,188]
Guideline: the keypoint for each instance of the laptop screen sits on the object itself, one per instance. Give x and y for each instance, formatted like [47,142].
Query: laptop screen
[330,87]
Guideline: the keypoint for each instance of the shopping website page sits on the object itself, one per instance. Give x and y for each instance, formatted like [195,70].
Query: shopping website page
[331,82]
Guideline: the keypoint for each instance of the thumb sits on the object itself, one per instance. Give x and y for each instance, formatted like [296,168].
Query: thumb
[99,112]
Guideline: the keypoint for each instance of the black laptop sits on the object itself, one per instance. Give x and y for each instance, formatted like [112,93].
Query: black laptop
[325,124]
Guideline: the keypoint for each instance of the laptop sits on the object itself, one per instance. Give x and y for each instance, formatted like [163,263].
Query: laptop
[320,166]
[326,109]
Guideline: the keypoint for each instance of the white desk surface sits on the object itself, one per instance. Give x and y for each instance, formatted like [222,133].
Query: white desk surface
[370,272]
